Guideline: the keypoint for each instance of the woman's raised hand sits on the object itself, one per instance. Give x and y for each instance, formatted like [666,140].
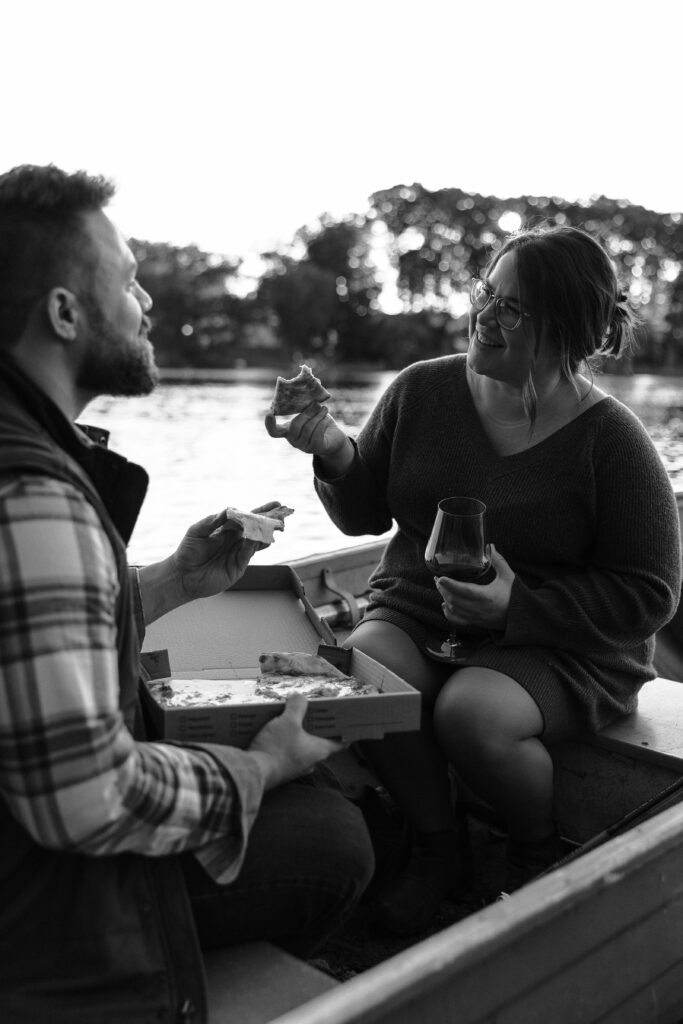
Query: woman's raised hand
[312,431]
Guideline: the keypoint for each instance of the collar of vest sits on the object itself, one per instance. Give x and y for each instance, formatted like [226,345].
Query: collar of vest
[37,436]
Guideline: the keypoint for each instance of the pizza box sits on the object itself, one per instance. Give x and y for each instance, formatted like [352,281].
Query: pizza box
[221,638]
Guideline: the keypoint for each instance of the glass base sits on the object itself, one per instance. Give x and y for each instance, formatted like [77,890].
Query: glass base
[449,653]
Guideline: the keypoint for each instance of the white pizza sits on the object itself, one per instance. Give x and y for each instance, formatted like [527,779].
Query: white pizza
[258,526]
[296,393]
[284,673]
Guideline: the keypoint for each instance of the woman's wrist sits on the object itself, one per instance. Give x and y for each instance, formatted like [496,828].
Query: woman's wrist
[338,463]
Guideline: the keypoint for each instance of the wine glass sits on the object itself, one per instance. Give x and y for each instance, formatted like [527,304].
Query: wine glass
[456,548]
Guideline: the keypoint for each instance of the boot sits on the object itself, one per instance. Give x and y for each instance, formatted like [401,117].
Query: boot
[526,860]
[439,865]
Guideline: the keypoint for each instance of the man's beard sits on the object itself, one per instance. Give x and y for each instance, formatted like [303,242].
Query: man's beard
[114,366]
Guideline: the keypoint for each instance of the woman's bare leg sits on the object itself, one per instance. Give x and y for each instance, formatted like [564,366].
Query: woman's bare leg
[410,764]
[488,727]
[415,771]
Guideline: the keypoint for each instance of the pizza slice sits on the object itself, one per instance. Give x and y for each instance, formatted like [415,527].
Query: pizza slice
[298,663]
[258,526]
[297,393]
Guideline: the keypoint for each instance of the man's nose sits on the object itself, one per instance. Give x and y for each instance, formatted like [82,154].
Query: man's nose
[144,298]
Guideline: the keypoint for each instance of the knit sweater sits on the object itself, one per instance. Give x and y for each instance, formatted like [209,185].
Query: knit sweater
[586,518]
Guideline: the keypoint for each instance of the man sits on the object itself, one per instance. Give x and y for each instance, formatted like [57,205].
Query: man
[120,856]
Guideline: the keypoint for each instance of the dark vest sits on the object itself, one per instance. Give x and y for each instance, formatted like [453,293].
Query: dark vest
[89,940]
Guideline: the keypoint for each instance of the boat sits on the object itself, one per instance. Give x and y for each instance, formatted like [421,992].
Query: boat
[597,939]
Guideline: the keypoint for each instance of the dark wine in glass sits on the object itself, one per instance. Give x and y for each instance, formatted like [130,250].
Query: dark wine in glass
[456,548]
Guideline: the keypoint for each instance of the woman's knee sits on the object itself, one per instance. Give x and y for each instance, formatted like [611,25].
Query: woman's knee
[485,711]
[392,647]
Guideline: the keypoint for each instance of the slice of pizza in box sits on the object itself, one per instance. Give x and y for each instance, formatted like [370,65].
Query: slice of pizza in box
[216,669]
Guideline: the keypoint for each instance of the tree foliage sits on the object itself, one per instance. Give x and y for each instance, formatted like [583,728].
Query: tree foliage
[320,297]
[442,238]
[193,310]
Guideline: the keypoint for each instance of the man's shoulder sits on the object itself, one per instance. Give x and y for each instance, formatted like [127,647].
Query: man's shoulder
[50,532]
[24,483]
[31,498]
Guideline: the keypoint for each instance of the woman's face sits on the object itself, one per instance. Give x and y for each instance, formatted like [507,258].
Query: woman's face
[507,355]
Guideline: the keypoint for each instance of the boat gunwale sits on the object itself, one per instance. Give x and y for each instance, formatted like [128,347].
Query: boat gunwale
[471,942]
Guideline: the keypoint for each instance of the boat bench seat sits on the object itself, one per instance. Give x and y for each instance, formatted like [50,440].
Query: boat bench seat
[257,982]
[654,732]
[601,777]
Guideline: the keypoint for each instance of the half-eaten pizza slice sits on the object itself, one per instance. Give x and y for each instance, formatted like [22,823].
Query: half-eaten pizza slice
[297,393]
[258,526]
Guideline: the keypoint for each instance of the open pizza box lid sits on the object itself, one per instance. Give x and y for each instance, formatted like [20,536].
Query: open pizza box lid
[221,638]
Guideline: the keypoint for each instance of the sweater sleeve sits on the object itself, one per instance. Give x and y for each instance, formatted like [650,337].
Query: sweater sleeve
[630,585]
[357,501]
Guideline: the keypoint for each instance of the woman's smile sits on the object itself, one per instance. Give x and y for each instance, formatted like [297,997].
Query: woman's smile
[485,341]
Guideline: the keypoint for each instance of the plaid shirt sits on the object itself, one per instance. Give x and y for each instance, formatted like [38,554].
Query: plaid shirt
[70,771]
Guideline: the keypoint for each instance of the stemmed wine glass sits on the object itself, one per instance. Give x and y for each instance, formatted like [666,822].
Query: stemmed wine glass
[456,548]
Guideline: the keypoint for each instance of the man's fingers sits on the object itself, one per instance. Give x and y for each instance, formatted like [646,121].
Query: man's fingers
[211,525]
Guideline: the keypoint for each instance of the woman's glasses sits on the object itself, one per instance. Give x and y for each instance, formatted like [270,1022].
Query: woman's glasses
[507,312]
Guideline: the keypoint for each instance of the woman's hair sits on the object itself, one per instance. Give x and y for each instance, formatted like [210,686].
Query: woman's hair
[568,283]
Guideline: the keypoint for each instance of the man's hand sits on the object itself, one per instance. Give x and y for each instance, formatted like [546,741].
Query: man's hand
[283,748]
[468,604]
[315,432]
[212,555]
[210,558]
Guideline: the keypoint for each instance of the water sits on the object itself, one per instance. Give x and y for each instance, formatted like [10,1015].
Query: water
[205,447]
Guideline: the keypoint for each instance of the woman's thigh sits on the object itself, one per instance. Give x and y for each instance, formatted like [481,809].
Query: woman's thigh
[482,706]
[391,646]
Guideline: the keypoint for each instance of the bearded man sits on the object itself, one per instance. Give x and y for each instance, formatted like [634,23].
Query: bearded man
[121,858]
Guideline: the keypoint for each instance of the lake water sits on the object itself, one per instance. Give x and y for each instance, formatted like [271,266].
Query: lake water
[204,445]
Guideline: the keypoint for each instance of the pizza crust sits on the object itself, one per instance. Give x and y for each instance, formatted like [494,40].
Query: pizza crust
[298,663]
[296,393]
[284,673]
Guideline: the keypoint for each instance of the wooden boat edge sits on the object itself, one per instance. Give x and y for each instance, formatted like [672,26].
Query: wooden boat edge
[435,978]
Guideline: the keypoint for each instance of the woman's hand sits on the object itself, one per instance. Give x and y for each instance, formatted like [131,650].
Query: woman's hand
[283,748]
[468,604]
[315,432]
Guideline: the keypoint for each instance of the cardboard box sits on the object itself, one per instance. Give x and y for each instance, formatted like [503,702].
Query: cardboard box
[222,637]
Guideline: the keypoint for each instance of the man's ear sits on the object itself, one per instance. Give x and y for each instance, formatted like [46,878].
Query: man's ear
[63,312]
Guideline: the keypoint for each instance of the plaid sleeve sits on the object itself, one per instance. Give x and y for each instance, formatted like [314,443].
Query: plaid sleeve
[70,771]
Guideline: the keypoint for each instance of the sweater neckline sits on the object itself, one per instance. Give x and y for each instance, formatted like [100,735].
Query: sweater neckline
[486,448]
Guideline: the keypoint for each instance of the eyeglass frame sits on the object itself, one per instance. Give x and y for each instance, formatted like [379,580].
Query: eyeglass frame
[496,299]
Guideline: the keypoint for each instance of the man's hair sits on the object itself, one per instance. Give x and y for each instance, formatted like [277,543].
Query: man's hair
[42,240]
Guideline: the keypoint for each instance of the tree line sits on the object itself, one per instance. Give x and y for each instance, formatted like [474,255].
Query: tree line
[319,300]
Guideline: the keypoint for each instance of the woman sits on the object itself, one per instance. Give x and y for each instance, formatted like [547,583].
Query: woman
[584,537]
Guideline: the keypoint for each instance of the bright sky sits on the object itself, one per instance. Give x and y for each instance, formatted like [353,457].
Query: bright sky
[230,123]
